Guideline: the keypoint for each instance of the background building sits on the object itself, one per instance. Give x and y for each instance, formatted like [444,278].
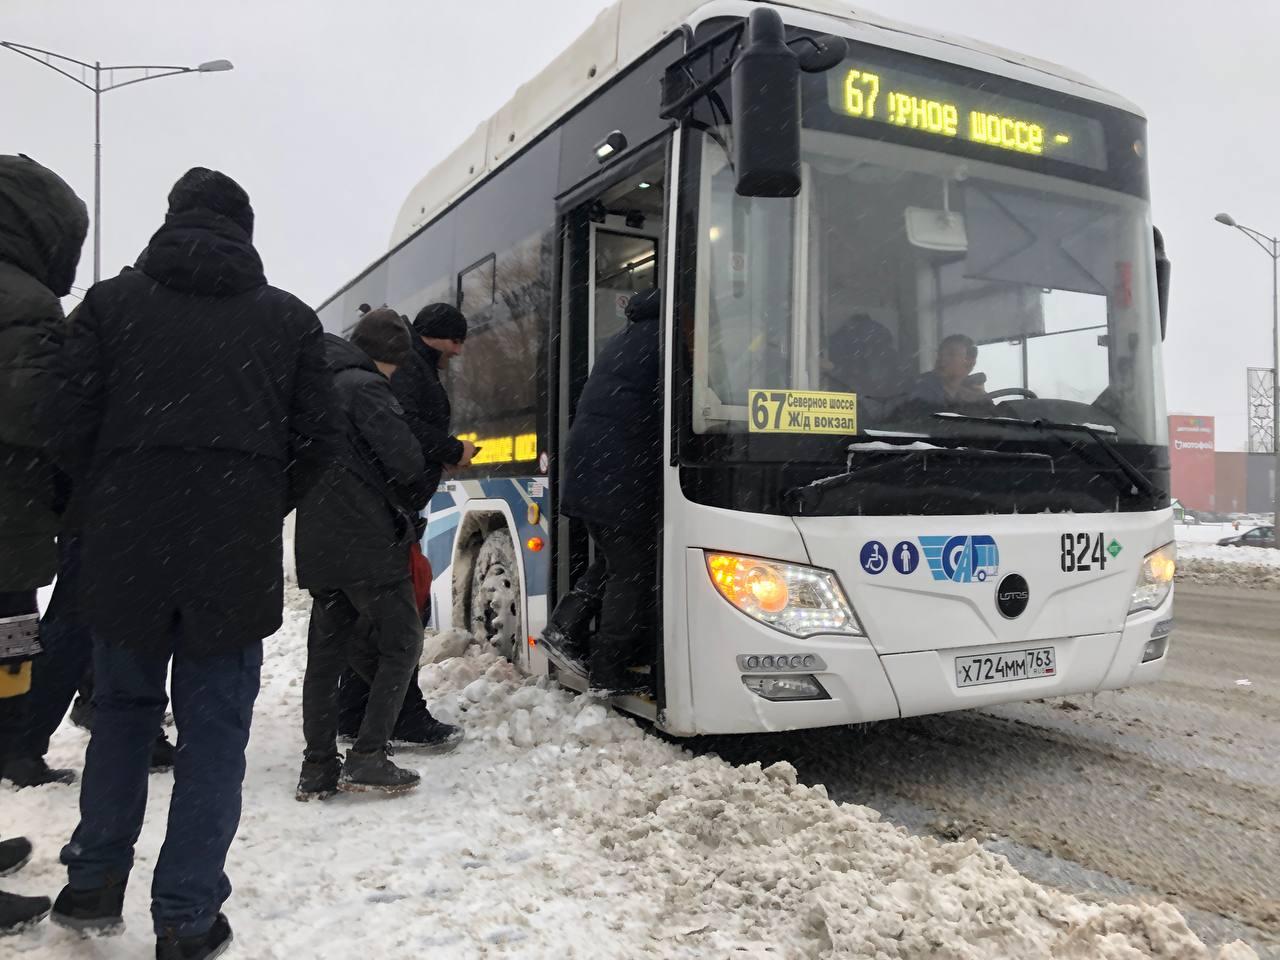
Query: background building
[1191,460]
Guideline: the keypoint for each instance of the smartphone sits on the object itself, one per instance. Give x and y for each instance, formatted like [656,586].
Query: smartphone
[975,380]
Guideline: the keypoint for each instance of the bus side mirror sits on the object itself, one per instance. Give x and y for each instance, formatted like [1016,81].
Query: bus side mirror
[820,54]
[1163,269]
[765,87]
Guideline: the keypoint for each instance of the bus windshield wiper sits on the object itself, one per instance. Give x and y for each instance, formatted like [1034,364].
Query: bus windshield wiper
[1140,481]
[807,498]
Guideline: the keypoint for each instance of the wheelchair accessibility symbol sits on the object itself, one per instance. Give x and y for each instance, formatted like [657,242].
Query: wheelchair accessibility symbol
[874,557]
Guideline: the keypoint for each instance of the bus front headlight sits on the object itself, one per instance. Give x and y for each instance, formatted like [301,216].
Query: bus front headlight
[796,599]
[1156,579]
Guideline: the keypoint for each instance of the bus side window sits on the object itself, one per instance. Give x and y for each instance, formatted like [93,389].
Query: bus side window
[495,386]
[476,286]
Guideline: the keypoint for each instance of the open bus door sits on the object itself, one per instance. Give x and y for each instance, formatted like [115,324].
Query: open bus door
[612,250]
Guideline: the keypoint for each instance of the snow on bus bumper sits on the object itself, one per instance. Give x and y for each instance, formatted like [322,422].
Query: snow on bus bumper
[722,640]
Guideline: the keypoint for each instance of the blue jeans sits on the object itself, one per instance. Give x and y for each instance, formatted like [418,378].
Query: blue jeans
[213,707]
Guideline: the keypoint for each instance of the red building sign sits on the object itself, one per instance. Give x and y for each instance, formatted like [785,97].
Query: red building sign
[1192,461]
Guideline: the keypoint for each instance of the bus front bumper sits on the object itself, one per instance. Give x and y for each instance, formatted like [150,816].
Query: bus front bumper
[858,685]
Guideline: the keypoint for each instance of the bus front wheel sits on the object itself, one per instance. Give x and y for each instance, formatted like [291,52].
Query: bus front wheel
[495,595]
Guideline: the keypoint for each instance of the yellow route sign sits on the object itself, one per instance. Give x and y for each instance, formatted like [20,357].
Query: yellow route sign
[802,411]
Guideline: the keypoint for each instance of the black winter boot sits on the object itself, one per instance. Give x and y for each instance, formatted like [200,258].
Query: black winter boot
[163,754]
[18,913]
[423,733]
[34,772]
[82,712]
[565,652]
[319,779]
[612,677]
[375,773]
[100,910]
[14,855]
[205,946]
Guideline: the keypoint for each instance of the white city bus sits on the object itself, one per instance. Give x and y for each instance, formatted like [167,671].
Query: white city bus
[843,537]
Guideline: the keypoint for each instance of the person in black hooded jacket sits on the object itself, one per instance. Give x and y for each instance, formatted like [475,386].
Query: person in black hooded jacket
[196,409]
[63,670]
[354,534]
[42,227]
[612,481]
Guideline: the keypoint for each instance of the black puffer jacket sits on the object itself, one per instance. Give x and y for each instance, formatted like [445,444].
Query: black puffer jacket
[42,228]
[613,464]
[426,409]
[197,408]
[357,524]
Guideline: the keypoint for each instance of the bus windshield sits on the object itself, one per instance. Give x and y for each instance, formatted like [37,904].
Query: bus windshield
[905,284]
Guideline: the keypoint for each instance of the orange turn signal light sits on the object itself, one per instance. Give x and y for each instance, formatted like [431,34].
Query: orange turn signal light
[749,584]
[534,543]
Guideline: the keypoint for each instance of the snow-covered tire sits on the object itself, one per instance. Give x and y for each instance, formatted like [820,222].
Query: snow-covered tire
[496,595]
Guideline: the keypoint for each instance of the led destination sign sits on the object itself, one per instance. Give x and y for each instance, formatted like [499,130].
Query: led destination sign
[959,112]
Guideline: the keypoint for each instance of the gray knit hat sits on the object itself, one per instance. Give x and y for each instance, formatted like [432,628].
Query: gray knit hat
[382,334]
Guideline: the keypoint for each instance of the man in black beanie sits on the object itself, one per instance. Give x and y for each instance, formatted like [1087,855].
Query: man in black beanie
[203,189]
[354,533]
[439,333]
[195,410]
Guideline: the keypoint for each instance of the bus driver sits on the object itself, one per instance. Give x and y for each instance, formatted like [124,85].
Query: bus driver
[952,380]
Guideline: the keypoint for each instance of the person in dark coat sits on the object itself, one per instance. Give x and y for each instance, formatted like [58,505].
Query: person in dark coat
[354,532]
[63,669]
[612,481]
[196,409]
[439,332]
[861,358]
[42,228]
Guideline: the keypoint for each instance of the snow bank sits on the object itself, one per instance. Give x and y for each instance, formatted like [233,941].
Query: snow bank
[1241,556]
[1234,566]
[562,830]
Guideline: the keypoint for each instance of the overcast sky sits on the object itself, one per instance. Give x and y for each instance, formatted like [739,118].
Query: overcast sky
[335,109]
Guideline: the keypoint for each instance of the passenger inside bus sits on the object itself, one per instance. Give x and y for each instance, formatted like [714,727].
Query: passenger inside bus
[861,358]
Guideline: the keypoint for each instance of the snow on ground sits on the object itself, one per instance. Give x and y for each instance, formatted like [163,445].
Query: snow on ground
[1206,532]
[1201,560]
[563,830]
[1249,556]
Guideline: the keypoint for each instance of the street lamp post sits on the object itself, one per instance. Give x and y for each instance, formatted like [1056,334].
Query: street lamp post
[1271,245]
[96,70]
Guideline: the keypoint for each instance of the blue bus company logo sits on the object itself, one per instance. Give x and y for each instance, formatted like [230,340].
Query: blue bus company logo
[962,559]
